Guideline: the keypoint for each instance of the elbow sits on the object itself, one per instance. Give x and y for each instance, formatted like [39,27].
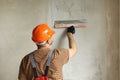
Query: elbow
[72,52]
[75,50]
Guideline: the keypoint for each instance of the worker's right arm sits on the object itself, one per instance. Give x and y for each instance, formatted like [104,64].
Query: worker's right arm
[72,45]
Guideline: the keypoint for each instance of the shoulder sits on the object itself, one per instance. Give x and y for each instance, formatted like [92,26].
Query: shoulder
[62,50]
[25,60]
[61,55]
[26,57]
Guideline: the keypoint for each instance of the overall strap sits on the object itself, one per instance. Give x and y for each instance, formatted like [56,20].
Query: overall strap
[47,63]
[33,64]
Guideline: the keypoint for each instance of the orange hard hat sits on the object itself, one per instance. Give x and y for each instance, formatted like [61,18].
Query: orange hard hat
[42,33]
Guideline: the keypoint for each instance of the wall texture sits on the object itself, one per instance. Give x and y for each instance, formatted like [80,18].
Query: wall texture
[98,43]
[17,19]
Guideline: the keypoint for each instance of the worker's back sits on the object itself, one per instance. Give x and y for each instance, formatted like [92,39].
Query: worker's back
[59,58]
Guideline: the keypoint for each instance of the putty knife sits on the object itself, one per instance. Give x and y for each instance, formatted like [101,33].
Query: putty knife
[68,23]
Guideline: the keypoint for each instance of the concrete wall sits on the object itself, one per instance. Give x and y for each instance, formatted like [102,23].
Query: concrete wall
[17,19]
[98,43]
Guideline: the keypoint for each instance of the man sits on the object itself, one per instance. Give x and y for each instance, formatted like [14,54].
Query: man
[42,36]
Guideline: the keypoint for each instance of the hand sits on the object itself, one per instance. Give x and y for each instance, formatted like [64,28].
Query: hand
[71,29]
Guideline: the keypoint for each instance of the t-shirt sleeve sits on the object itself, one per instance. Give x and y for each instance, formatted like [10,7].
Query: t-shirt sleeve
[62,55]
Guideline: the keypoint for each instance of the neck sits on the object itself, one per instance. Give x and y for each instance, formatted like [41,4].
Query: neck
[45,46]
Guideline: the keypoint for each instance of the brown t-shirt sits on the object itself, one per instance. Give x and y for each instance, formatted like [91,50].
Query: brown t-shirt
[59,58]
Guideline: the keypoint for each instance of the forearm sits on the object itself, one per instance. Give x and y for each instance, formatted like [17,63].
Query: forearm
[72,44]
[71,40]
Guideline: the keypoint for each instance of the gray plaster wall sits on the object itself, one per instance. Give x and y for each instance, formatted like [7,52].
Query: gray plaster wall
[98,44]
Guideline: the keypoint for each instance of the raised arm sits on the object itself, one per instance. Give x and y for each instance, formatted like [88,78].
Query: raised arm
[72,45]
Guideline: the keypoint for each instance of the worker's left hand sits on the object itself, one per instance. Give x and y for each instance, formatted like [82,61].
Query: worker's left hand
[71,29]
